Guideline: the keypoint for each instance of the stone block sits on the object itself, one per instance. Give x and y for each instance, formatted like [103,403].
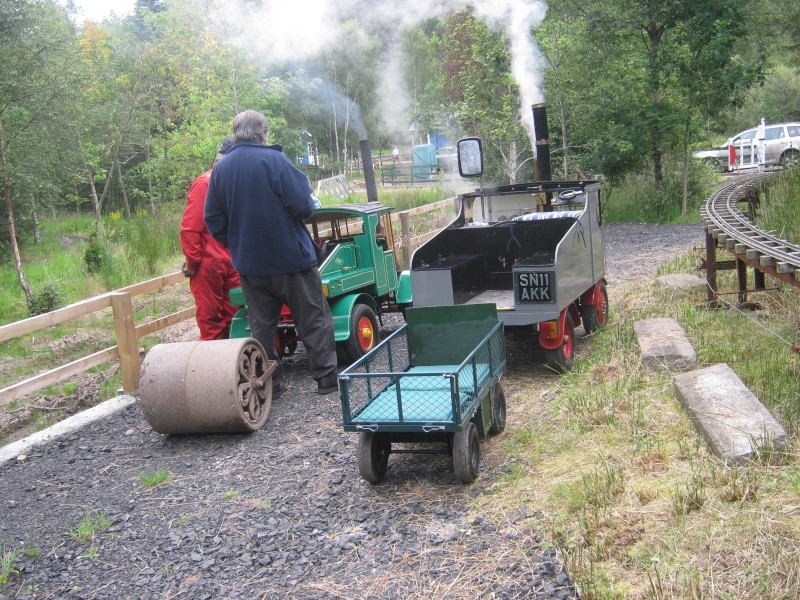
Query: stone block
[664,346]
[730,418]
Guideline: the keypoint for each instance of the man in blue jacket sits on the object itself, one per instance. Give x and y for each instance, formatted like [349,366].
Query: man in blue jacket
[256,205]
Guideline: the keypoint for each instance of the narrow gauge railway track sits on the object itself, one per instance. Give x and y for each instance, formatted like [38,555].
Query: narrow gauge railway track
[728,227]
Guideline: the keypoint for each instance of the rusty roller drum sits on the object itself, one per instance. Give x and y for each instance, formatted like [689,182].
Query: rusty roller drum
[207,387]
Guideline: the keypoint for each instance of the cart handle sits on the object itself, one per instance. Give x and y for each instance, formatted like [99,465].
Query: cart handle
[429,428]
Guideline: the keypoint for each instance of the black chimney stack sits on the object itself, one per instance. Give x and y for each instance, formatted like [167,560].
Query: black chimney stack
[542,147]
[369,173]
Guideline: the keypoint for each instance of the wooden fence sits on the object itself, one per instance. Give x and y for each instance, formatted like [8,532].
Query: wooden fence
[127,336]
[128,333]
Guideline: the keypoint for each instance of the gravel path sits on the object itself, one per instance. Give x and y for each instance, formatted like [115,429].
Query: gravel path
[281,513]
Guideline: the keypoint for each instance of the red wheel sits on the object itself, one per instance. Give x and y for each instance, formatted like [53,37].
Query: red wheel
[364,333]
[595,316]
[562,358]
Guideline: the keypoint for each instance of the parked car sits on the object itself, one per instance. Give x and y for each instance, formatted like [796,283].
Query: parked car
[781,140]
[447,159]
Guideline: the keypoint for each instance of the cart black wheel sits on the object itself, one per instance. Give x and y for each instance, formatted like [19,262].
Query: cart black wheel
[562,358]
[364,333]
[467,453]
[498,403]
[373,455]
[595,317]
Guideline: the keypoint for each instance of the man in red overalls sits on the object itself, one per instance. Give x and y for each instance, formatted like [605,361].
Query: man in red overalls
[208,263]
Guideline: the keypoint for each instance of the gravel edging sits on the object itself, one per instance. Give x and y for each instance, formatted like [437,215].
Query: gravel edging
[281,513]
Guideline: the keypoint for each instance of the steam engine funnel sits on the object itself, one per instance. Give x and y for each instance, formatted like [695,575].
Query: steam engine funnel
[542,146]
[369,173]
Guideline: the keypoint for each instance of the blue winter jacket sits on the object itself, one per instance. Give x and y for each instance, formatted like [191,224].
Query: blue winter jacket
[255,206]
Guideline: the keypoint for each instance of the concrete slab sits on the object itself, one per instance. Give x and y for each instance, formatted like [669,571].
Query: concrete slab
[20,447]
[729,417]
[664,346]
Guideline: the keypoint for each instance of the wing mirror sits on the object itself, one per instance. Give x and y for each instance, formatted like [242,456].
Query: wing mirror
[470,157]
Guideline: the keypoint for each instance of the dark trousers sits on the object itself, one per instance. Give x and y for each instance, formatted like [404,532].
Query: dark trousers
[302,293]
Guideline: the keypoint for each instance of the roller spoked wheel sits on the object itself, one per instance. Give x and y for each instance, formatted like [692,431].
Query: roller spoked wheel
[595,317]
[562,359]
[364,333]
[498,404]
[255,384]
[373,455]
[467,453]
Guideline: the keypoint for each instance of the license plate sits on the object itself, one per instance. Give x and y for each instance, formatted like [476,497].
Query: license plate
[534,286]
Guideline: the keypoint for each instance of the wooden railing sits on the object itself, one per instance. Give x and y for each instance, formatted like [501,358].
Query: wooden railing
[127,336]
[128,333]
[408,243]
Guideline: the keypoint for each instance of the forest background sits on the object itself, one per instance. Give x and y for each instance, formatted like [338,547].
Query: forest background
[114,119]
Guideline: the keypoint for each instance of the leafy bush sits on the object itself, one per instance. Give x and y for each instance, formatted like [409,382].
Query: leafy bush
[636,199]
[48,298]
[95,256]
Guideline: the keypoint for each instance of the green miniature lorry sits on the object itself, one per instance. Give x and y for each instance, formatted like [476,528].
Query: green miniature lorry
[359,278]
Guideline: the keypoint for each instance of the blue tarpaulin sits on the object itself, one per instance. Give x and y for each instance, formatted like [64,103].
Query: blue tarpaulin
[423,162]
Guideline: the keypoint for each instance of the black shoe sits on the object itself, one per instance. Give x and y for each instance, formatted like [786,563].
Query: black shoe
[328,384]
[278,387]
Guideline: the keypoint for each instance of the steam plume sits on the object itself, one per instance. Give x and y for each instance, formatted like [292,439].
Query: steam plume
[284,30]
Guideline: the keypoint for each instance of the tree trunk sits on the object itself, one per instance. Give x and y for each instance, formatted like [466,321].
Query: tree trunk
[564,140]
[512,162]
[150,180]
[106,187]
[336,138]
[95,202]
[685,202]
[37,232]
[12,228]
[124,195]
[654,34]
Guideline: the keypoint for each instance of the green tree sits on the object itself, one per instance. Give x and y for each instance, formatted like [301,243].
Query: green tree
[479,84]
[670,59]
[38,100]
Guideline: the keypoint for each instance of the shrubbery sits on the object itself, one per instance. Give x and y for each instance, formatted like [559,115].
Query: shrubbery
[50,297]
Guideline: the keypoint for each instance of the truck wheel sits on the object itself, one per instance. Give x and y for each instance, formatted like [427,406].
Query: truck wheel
[467,453]
[498,403]
[364,333]
[562,358]
[373,455]
[595,317]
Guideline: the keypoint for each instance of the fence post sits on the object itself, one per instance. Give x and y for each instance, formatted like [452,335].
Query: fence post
[127,343]
[405,232]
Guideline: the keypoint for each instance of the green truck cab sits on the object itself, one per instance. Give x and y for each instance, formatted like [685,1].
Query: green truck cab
[359,278]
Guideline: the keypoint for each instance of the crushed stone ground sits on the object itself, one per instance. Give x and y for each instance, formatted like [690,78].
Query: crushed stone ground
[283,513]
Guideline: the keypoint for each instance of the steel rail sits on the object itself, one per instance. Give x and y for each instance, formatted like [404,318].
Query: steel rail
[734,230]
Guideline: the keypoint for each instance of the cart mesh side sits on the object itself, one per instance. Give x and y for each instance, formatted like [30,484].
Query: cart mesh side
[383,390]
[374,373]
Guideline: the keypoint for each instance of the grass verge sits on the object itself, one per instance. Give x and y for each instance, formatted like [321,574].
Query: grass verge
[626,488]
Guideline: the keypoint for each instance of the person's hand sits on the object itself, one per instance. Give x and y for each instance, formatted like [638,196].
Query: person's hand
[187,271]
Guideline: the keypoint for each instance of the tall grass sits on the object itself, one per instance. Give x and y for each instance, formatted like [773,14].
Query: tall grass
[779,209]
[635,198]
[401,198]
[130,250]
[635,502]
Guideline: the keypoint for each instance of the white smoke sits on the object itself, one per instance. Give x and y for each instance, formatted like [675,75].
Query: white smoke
[283,30]
[518,18]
